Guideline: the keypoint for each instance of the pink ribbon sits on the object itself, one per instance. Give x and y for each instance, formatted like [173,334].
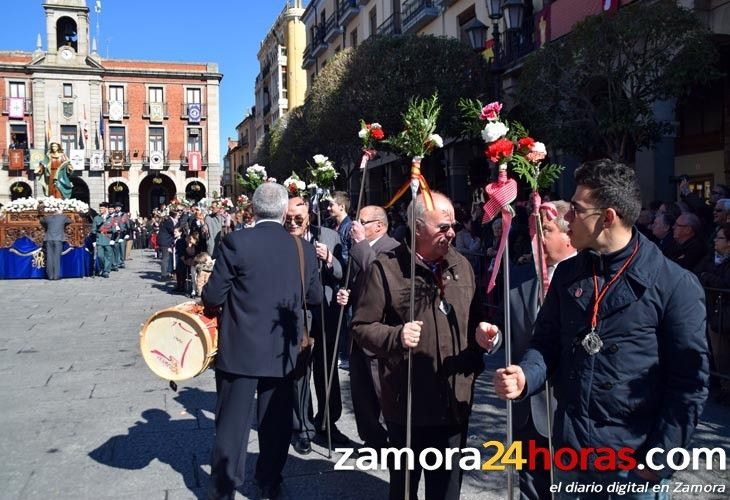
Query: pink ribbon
[501,193]
[551,213]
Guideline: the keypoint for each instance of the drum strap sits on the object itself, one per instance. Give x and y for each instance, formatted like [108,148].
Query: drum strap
[307,341]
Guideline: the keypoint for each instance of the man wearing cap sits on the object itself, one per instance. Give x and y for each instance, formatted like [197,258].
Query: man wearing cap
[101,228]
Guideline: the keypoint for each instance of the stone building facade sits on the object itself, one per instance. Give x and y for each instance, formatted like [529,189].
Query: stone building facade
[140,132]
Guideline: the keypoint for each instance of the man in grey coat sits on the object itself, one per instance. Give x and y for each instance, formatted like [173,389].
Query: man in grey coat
[55,226]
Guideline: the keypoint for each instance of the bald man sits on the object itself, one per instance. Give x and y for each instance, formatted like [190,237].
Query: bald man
[446,356]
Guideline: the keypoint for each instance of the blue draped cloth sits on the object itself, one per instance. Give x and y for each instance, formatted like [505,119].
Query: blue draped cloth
[16,262]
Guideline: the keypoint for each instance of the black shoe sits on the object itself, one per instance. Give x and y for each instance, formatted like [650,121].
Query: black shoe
[269,491]
[302,446]
[105,275]
[337,436]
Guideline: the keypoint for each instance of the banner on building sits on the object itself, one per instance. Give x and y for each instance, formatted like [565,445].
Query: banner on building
[16,107]
[117,160]
[194,112]
[96,160]
[157,112]
[16,159]
[36,156]
[195,161]
[116,110]
[78,158]
[157,159]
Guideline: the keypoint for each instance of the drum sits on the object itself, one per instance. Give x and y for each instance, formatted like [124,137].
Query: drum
[179,343]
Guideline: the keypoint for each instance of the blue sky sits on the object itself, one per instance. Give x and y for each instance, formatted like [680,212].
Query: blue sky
[226,32]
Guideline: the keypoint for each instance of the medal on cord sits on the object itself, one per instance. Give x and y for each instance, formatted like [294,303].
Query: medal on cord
[592,342]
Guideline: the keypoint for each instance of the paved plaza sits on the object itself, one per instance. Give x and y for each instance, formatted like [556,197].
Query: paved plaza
[84,418]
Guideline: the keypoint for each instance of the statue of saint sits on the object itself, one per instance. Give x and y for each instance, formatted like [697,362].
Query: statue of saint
[54,173]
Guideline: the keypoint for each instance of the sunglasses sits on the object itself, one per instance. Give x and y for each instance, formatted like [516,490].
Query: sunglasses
[366,222]
[444,228]
[297,220]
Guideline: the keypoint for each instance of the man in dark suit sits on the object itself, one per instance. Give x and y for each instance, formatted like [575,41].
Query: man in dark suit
[369,234]
[257,282]
[55,226]
[690,247]
[166,241]
[530,416]
[326,244]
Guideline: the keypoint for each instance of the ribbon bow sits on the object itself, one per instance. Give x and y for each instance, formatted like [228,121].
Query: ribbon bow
[501,193]
[415,176]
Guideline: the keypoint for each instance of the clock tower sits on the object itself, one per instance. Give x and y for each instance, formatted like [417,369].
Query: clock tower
[67,29]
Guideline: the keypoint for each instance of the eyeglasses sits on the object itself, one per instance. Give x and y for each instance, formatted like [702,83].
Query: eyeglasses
[444,228]
[366,222]
[576,209]
[681,225]
[718,237]
[297,219]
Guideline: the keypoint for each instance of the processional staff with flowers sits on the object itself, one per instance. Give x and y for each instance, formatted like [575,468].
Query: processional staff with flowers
[508,143]
[370,134]
[255,176]
[417,139]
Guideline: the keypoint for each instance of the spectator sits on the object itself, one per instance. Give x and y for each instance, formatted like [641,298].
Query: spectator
[644,222]
[690,247]
[661,230]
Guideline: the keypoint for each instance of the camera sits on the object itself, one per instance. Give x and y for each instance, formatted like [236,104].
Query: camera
[678,178]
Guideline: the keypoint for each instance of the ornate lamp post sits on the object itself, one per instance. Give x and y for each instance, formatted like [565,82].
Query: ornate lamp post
[477,32]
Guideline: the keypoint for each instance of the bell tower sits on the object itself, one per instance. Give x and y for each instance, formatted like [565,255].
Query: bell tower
[67,27]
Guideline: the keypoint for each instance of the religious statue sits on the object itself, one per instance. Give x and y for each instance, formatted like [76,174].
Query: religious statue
[53,173]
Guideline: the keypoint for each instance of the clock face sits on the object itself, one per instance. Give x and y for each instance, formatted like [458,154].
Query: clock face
[67,53]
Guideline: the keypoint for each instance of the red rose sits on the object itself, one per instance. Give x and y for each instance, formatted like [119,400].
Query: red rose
[292,188]
[526,143]
[377,134]
[499,149]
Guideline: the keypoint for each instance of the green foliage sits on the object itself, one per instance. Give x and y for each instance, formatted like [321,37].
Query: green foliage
[470,111]
[536,176]
[419,123]
[593,92]
[373,82]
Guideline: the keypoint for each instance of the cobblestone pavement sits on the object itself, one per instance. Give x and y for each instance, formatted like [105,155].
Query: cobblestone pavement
[84,418]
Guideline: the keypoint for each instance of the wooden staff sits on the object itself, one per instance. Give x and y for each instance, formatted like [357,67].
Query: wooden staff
[324,340]
[412,317]
[508,356]
[366,155]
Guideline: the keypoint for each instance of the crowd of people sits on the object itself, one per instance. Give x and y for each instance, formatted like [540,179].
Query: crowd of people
[635,258]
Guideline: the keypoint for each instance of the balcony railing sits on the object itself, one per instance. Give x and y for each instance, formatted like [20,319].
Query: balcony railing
[318,44]
[148,109]
[27,105]
[106,104]
[347,9]
[514,45]
[110,158]
[184,161]
[146,159]
[308,59]
[332,28]
[184,110]
[417,14]
[391,26]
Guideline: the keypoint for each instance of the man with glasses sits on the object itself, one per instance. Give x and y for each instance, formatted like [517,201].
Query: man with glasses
[446,357]
[370,239]
[328,248]
[622,334]
[690,248]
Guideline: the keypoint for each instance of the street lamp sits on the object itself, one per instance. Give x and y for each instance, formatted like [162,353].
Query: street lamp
[477,32]
[495,14]
[513,10]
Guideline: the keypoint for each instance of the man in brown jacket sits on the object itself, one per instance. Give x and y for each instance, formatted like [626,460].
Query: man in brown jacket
[446,357]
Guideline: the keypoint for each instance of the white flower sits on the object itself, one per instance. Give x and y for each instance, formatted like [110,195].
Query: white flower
[257,171]
[493,131]
[436,140]
[538,147]
[312,185]
[319,159]
[362,134]
[271,179]
[375,125]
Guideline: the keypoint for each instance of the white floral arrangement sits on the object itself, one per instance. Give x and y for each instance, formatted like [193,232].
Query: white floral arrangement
[294,185]
[254,177]
[49,205]
[323,172]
